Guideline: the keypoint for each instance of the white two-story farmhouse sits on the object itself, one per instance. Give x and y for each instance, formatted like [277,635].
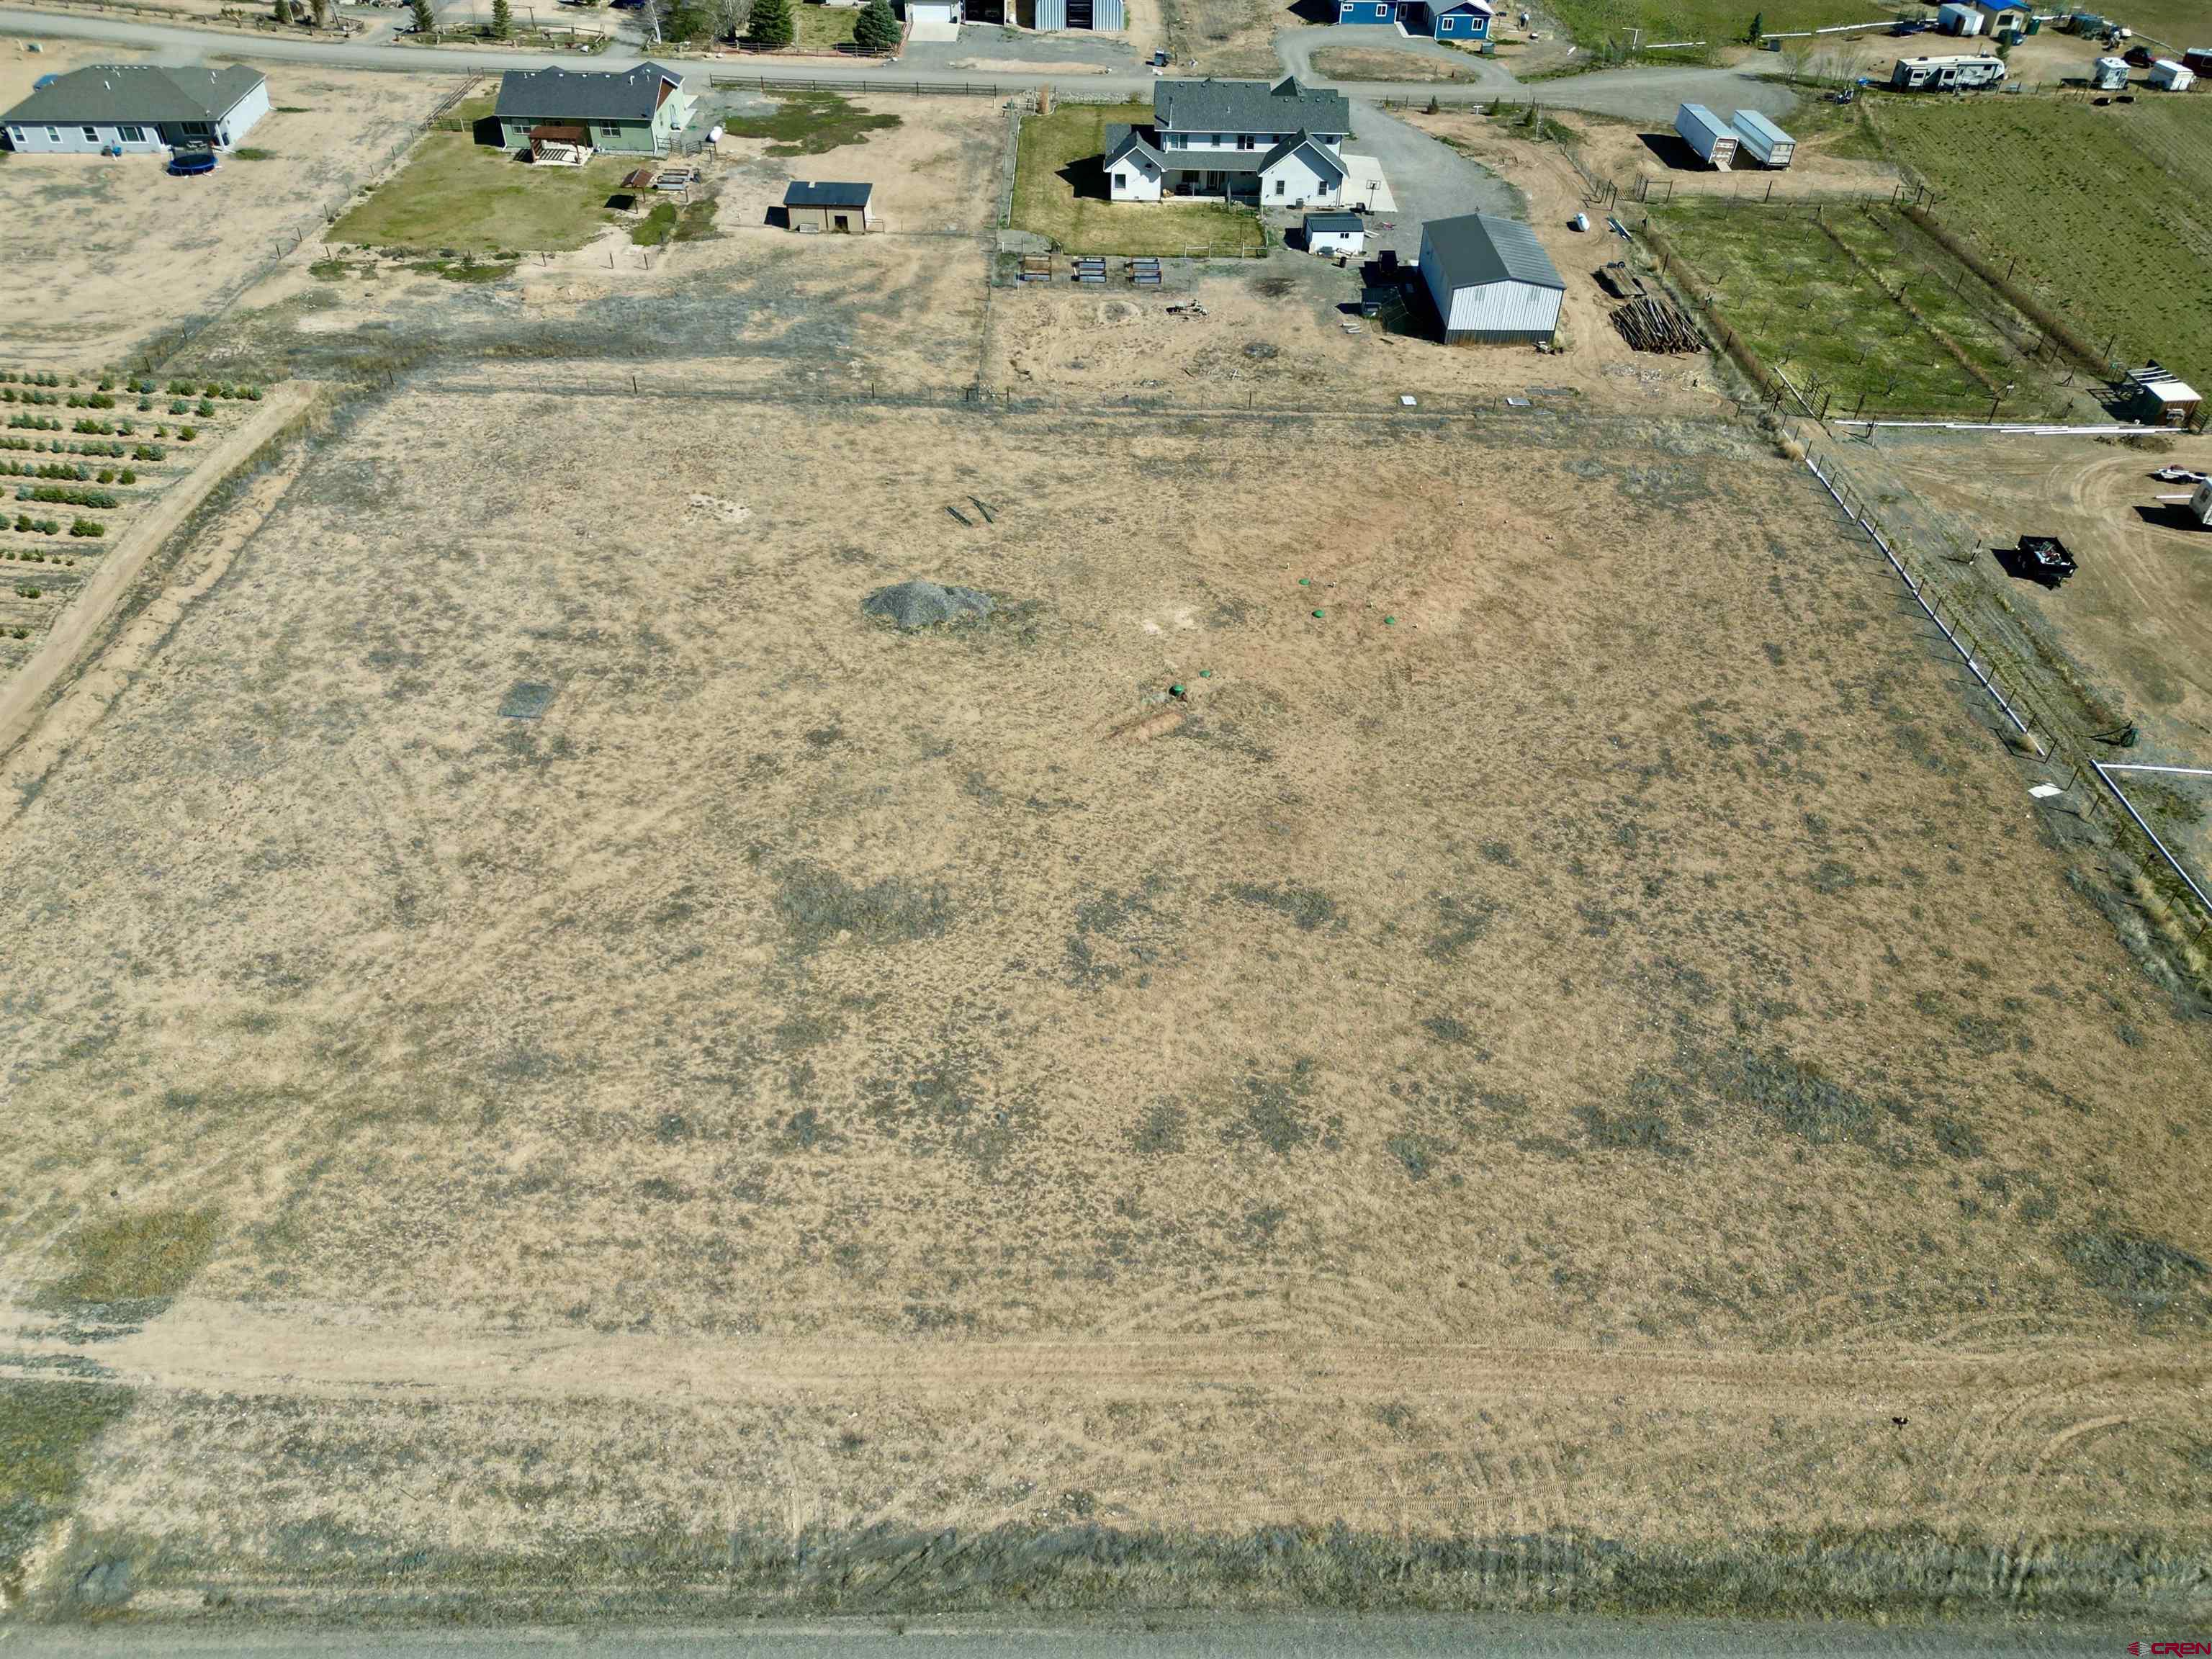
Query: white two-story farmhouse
[1278,146]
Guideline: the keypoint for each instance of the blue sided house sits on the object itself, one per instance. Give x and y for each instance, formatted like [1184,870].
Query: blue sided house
[1434,20]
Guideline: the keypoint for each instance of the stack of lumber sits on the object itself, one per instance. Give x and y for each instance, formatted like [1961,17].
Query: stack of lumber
[1651,323]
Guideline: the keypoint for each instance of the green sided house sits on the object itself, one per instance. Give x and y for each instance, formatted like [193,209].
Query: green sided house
[556,112]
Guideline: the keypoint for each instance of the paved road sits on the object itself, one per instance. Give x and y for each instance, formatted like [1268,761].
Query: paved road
[1177,1635]
[1643,94]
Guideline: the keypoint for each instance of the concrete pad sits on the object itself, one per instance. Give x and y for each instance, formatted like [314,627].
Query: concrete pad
[1364,184]
[922,31]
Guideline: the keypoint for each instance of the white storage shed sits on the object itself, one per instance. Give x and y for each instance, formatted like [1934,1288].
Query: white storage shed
[1764,142]
[1713,138]
[2172,75]
[1490,280]
[1955,19]
[1335,233]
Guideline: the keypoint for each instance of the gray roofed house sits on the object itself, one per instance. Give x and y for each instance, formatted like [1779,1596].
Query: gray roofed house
[634,112]
[1249,106]
[137,108]
[1235,141]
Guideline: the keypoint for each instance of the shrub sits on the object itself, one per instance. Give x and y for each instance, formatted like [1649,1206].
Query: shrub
[126,476]
[205,409]
[87,527]
[177,407]
[186,434]
[145,453]
[108,475]
[25,591]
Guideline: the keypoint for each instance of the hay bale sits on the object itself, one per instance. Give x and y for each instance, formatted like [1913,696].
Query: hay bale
[925,605]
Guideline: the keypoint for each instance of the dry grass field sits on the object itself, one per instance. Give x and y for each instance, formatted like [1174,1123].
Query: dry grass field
[104,254]
[555,1069]
[557,1060]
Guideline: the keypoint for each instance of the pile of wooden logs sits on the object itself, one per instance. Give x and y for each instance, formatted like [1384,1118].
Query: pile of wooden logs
[1650,323]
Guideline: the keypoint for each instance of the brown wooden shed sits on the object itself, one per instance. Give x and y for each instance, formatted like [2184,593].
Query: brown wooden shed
[839,209]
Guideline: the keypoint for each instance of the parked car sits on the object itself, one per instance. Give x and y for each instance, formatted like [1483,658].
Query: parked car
[191,163]
[2137,58]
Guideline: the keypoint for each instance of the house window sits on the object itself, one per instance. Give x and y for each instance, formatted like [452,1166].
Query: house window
[609,130]
[1278,186]
[1120,181]
[92,134]
[1245,141]
[131,135]
[54,135]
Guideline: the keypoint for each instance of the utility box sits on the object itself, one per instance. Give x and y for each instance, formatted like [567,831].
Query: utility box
[1762,140]
[1713,139]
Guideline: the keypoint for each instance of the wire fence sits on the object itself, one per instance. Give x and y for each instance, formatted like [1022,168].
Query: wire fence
[1999,667]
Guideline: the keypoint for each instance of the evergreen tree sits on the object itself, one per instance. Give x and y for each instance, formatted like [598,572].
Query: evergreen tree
[1758,28]
[772,24]
[425,22]
[875,29]
[502,19]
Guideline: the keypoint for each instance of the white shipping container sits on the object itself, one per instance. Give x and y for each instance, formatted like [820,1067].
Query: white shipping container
[1764,142]
[1706,133]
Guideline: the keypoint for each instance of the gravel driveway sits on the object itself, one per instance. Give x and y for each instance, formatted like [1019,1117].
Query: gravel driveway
[1431,180]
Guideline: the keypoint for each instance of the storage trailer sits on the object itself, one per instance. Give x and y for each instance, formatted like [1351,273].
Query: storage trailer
[2171,75]
[1761,140]
[1946,74]
[1714,139]
[2108,75]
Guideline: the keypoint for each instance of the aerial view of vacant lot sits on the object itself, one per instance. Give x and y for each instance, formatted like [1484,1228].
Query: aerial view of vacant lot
[741,923]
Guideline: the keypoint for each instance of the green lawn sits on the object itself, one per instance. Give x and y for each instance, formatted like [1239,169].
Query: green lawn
[457,194]
[1059,192]
[1595,23]
[1812,297]
[822,28]
[2097,212]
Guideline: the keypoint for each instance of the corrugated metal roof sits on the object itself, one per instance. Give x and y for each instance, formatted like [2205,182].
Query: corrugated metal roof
[826,194]
[583,94]
[1249,106]
[136,93]
[1477,247]
[1751,121]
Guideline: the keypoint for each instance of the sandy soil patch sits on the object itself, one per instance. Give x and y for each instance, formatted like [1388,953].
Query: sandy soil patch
[99,243]
[1617,151]
[937,170]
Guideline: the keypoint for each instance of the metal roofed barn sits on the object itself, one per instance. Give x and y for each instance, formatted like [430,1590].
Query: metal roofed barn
[827,205]
[1491,279]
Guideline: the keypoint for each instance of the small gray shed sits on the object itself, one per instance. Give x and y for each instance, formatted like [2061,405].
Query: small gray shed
[1335,233]
[842,208]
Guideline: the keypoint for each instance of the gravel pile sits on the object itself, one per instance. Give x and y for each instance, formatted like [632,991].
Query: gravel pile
[924,605]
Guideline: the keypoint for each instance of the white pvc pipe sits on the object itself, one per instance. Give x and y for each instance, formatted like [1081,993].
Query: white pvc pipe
[2119,795]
